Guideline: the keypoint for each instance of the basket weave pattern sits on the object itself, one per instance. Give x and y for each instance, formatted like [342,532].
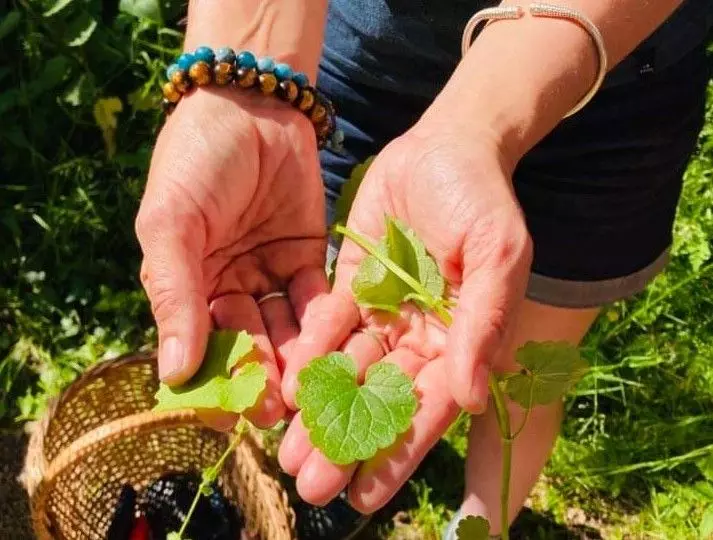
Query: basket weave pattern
[102,434]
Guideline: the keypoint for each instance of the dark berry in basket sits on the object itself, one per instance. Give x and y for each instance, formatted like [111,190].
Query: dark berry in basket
[123,519]
[165,504]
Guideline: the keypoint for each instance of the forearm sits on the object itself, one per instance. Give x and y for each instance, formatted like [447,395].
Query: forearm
[288,30]
[520,77]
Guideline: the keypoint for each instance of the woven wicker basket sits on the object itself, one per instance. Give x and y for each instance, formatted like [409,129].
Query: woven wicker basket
[101,434]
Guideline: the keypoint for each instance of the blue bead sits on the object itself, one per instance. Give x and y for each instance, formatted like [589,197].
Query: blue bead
[265,64]
[300,79]
[185,61]
[225,54]
[246,59]
[204,54]
[283,72]
[171,70]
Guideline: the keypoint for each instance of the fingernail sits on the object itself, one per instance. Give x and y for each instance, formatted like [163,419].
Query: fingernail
[479,390]
[171,358]
[223,423]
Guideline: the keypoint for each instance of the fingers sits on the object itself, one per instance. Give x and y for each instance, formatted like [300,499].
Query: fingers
[295,447]
[492,291]
[171,274]
[327,321]
[378,480]
[240,312]
[319,480]
[281,326]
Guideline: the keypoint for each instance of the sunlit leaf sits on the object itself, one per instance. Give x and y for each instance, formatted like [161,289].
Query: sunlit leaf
[143,9]
[105,115]
[348,422]
[550,370]
[217,385]
[57,7]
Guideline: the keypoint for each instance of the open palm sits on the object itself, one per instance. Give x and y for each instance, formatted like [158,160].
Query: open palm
[233,210]
[458,200]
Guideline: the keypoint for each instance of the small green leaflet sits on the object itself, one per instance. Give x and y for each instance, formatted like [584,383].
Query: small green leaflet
[349,191]
[551,369]
[473,528]
[143,9]
[213,387]
[375,286]
[348,422]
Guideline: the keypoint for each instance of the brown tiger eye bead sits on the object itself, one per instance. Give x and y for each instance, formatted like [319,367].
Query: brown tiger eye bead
[246,77]
[318,114]
[322,129]
[224,72]
[268,83]
[168,106]
[287,90]
[171,93]
[306,100]
[181,81]
[200,73]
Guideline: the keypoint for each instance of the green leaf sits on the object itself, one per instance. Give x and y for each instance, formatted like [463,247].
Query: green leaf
[473,528]
[174,535]
[375,286]
[550,370]
[348,422]
[106,113]
[143,9]
[81,30]
[706,528]
[213,387]
[349,191]
[58,6]
[9,22]
[706,467]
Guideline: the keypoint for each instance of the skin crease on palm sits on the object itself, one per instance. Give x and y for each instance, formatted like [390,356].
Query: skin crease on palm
[208,257]
[481,246]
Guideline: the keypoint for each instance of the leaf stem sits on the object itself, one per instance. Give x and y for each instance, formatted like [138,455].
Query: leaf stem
[501,411]
[435,303]
[240,430]
[503,417]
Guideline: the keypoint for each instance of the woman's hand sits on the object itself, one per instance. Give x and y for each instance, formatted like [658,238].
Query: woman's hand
[457,197]
[233,210]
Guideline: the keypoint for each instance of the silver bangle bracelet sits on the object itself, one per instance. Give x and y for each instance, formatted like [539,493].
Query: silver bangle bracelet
[551,11]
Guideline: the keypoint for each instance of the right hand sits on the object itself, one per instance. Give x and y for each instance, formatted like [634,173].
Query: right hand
[233,210]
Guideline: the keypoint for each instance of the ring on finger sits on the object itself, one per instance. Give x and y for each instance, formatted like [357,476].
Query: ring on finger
[270,296]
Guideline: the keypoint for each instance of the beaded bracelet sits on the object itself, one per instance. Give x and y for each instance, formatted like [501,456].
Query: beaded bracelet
[223,67]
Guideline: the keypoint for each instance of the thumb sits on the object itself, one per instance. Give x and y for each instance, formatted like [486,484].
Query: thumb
[489,299]
[172,276]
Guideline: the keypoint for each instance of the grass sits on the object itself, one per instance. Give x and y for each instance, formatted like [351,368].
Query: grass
[635,459]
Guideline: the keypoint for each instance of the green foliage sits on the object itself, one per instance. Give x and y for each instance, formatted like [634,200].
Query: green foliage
[550,369]
[69,261]
[377,287]
[217,385]
[348,422]
[473,528]
[349,190]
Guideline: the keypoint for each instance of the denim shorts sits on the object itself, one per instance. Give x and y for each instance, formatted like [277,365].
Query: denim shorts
[599,193]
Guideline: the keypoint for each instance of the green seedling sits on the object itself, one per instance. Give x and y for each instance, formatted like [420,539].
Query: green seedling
[228,379]
[398,269]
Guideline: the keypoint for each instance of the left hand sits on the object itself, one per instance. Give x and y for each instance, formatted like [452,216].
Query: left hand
[456,195]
